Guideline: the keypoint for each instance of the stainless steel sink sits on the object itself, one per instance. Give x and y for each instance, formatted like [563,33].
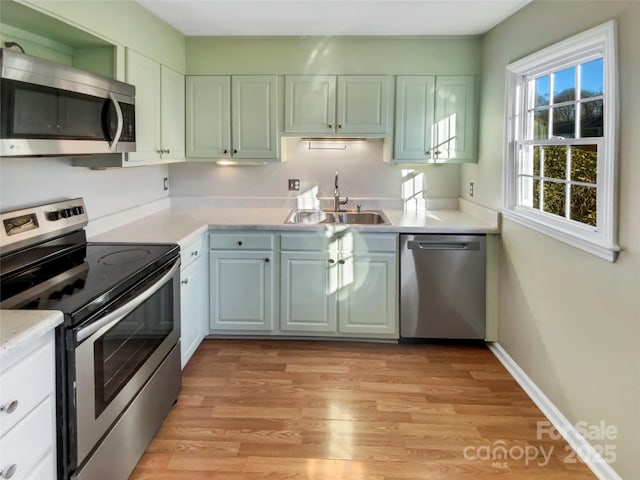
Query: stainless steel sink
[315,217]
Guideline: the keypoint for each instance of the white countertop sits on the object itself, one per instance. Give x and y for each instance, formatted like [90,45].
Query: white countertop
[182,225]
[19,328]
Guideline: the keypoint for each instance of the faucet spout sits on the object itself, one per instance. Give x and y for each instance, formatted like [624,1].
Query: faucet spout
[336,196]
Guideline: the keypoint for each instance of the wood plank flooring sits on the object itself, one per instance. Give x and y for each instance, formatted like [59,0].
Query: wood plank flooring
[310,410]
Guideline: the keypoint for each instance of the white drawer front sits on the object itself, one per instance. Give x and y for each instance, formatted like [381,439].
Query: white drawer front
[45,470]
[29,441]
[191,252]
[28,382]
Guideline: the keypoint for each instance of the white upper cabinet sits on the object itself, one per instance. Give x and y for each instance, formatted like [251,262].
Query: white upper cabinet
[159,110]
[435,119]
[232,117]
[208,119]
[346,104]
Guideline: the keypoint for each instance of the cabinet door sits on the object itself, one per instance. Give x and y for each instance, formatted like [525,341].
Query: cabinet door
[254,117]
[309,282]
[455,114]
[172,113]
[144,73]
[194,308]
[310,103]
[363,104]
[414,119]
[241,290]
[367,298]
[208,121]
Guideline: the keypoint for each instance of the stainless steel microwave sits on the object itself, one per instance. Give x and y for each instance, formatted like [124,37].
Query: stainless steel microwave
[50,109]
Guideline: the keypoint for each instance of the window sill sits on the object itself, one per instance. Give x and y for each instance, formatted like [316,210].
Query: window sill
[606,252]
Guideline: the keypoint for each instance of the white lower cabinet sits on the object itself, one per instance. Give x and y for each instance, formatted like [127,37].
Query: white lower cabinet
[341,286]
[194,306]
[242,273]
[27,414]
[304,284]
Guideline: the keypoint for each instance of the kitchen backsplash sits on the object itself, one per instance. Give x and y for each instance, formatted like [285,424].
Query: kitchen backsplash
[363,174]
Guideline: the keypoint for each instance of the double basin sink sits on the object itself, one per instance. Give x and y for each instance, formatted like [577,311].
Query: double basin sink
[317,217]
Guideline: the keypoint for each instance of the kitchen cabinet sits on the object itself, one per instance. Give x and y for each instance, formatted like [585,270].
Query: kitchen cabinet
[194,300]
[344,285]
[232,117]
[435,119]
[243,272]
[344,104]
[159,110]
[27,413]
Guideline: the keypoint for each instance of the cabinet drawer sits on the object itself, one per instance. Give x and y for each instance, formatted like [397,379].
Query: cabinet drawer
[370,242]
[191,252]
[241,241]
[308,242]
[45,470]
[28,382]
[29,441]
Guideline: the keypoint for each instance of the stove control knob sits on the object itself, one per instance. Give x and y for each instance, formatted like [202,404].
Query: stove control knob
[66,213]
[53,216]
[77,210]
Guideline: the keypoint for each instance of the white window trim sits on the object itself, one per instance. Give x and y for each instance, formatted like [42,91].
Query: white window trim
[597,41]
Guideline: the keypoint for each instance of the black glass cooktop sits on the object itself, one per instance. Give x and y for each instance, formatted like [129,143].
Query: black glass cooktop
[82,279]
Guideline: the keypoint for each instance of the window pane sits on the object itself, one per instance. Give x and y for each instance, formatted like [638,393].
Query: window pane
[564,121]
[541,125]
[584,163]
[536,194]
[555,162]
[564,85]
[536,161]
[591,123]
[592,79]
[583,204]
[542,91]
[554,198]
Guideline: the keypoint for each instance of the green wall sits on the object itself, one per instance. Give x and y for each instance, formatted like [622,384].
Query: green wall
[333,55]
[569,319]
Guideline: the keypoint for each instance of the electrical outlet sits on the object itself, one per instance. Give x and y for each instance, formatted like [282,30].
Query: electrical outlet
[166,183]
[294,184]
[471,189]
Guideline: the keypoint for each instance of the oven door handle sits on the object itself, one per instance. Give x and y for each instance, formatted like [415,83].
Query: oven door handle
[118,314]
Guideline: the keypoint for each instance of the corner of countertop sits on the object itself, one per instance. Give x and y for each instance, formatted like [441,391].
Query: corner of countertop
[20,330]
[492,217]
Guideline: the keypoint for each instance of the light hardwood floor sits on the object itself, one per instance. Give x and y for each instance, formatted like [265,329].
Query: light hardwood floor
[310,410]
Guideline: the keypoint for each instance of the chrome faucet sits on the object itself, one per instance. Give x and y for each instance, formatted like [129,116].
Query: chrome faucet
[336,197]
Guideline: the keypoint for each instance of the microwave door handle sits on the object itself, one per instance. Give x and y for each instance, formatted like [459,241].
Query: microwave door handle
[117,315]
[116,137]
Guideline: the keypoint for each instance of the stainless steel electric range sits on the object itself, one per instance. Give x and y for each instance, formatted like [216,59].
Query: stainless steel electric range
[118,351]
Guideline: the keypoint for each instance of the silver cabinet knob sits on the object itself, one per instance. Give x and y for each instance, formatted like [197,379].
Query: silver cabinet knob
[9,407]
[341,262]
[332,261]
[194,253]
[339,125]
[331,125]
[239,243]
[8,471]
[267,260]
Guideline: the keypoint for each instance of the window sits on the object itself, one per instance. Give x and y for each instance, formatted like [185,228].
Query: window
[560,158]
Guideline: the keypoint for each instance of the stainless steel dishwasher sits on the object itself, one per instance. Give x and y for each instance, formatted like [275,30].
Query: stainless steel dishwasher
[442,287]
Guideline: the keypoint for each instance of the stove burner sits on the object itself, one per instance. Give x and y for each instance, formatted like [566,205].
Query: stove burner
[124,256]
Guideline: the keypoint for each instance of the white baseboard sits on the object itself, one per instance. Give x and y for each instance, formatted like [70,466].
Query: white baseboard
[584,449]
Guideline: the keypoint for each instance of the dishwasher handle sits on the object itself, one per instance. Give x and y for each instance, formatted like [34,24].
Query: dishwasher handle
[440,245]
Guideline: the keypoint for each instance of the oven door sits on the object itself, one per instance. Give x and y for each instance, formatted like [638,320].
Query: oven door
[118,353]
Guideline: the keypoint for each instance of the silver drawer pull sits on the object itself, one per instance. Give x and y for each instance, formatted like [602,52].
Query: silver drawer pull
[9,407]
[9,471]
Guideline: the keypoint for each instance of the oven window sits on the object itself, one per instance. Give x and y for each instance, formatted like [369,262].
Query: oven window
[121,351]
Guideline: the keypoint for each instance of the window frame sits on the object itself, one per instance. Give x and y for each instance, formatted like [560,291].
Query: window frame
[599,41]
